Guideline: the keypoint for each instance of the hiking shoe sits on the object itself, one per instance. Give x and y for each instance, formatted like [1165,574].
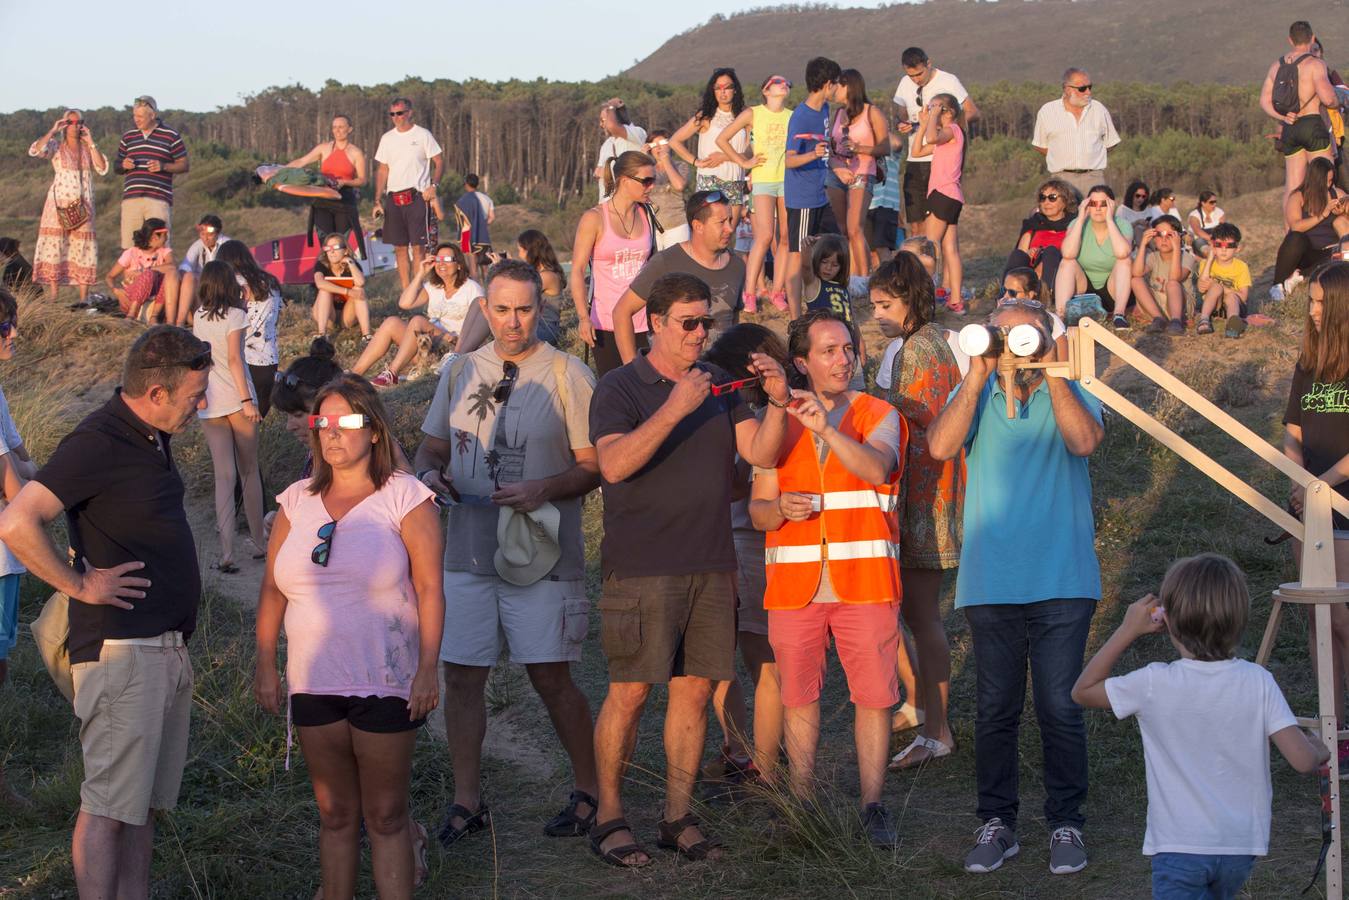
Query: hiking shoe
[994,842]
[1067,853]
[1120,323]
[1204,326]
[1236,327]
[876,823]
[1175,327]
[384,379]
[1156,326]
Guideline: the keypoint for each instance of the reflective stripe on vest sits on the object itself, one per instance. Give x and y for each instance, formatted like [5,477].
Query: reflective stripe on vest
[804,553]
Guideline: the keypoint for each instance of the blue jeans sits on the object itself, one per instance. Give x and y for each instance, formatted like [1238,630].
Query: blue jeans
[1051,636]
[1199,876]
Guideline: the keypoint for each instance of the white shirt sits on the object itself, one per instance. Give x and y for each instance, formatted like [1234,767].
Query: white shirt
[1074,143]
[448,311]
[260,339]
[614,147]
[9,440]
[197,255]
[906,95]
[1206,729]
[408,155]
[486,203]
[1207,221]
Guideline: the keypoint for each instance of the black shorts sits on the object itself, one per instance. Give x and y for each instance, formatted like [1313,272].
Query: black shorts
[606,350]
[804,223]
[915,191]
[943,207]
[410,225]
[883,228]
[1308,134]
[378,715]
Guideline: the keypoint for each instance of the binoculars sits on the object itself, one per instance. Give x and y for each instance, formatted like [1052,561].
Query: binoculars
[1024,340]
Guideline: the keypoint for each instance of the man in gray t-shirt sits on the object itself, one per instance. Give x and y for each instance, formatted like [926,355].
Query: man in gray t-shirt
[507,435]
[706,254]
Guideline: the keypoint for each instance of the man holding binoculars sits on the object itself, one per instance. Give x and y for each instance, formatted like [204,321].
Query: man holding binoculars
[1027,475]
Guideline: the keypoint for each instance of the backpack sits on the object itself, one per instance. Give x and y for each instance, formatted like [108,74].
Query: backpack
[1284,97]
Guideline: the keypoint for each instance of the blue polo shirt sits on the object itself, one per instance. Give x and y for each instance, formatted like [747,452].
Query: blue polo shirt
[1029,534]
[803,187]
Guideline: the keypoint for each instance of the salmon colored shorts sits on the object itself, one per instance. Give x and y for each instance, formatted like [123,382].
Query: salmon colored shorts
[866,636]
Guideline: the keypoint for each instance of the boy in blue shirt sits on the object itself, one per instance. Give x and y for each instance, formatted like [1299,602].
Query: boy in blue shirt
[807,162]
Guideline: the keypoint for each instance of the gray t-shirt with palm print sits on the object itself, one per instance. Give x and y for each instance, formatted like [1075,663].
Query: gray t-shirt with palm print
[530,436]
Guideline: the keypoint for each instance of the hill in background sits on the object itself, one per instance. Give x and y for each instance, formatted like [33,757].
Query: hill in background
[1158,41]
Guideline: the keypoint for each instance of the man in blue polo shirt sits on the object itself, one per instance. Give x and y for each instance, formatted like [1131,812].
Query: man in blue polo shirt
[807,162]
[1026,602]
[149,155]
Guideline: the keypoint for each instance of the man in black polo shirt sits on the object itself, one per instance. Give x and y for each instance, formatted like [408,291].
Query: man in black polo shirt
[115,479]
[666,445]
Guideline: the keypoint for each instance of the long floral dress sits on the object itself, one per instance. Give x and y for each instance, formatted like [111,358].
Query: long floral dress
[66,257]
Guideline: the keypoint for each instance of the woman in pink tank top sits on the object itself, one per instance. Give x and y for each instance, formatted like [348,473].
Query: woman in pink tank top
[941,132]
[614,240]
[857,136]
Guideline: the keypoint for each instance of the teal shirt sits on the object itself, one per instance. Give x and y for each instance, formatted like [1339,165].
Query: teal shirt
[1029,534]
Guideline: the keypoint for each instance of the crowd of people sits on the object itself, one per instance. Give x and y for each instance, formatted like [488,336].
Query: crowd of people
[760,497]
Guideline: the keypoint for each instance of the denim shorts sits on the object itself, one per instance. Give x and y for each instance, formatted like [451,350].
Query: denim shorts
[767,189]
[860,183]
[1185,875]
[9,613]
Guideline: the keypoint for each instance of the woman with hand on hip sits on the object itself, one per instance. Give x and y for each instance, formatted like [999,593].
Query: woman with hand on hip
[722,103]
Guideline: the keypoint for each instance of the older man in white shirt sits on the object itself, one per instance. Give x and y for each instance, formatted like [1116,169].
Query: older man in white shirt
[1074,132]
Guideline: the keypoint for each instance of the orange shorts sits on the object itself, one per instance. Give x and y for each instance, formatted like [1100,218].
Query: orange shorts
[866,637]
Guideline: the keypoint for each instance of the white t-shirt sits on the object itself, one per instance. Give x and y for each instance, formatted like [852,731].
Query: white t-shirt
[906,95]
[1206,729]
[1074,143]
[1207,221]
[486,203]
[408,155]
[198,255]
[260,339]
[448,311]
[614,147]
[222,394]
[9,440]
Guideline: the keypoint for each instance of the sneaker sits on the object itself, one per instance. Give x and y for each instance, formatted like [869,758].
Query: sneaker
[1156,326]
[750,301]
[1291,283]
[779,300]
[994,842]
[1204,326]
[1236,327]
[1067,853]
[878,827]
[384,379]
[1175,327]
[1120,323]
[1276,293]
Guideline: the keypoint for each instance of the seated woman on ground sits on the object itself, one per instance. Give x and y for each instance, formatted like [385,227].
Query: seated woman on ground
[926,251]
[1206,216]
[534,248]
[1161,272]
[1038,246]
[148,275]
[340,283]
[441,285]
[1317,215]
[1096,257]
[1134,207]
[1162,203]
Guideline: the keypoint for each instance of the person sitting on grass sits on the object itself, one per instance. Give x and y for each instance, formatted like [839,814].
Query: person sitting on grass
[147,274]
[341,283]
[1206,216]
[1225,279]
[442,285]
[1039,244]
[1161,269]
[1096,252]
[1206,720]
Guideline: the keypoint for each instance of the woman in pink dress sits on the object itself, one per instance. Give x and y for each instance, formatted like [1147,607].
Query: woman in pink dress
[68,256]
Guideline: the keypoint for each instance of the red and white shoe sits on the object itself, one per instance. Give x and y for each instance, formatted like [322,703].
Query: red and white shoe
[384,379]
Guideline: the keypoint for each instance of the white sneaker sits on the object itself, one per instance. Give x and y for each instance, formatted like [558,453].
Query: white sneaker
[1291,282]
[1276,293]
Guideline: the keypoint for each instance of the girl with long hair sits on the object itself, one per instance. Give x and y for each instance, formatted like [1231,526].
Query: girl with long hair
[148,276]
[262,293]
[942,135]
[858,137]
[722,103]
[68,255]
[534,248]
[1317,215]
[341,289]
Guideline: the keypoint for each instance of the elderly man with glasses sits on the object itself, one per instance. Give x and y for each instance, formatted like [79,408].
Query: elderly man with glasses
[410,163]
[149,155]
[1074,132]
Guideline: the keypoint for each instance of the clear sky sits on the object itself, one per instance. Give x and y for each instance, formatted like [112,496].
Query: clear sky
[198,56]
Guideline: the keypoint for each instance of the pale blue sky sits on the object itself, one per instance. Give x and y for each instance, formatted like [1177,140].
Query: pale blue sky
[198,56]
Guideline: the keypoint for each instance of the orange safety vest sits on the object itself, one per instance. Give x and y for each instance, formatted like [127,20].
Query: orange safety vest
[856,532]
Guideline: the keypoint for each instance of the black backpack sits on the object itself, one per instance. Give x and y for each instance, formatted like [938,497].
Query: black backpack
[1284,97]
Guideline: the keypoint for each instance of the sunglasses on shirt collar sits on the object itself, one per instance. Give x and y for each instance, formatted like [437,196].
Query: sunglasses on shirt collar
[510,372]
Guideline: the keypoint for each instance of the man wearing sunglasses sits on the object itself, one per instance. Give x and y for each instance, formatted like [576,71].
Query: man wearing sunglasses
[133,592]
[148,155]
[921,82]
[1074,133]
[409,165]
[706,255]
[508,431]
[665,446]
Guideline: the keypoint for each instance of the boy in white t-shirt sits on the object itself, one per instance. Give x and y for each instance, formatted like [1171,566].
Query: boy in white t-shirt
[1206,720]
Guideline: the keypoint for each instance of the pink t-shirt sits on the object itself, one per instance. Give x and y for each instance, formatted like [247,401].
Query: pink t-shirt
[351,627]
[948,161]
[134,259]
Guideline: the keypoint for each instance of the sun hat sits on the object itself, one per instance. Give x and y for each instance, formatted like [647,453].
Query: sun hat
[527,547]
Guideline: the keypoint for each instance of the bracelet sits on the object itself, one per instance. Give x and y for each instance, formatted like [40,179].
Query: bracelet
[248,400]
[776,403]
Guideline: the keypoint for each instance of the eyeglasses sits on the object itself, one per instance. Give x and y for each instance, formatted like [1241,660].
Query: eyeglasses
[324,550]
[291,380]
[1080,88]
[349,422]
[722,90]
[778,79]
[196,363]
[1210,202]
[396,113]
[1224,244]
[1009,299]
[334,249]
[509,373]
[719,389]
[692,322]
[1141,195]
[447,258]
[1049,198]
[644,182]
[1095,204]
[7,328]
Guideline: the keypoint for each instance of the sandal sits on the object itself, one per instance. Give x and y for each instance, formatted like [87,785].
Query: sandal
[227,568]
[1204,326]
[447,834]
[906,717]
[904,759]
[615,856]
[420,868]
[567,823]
[669,839]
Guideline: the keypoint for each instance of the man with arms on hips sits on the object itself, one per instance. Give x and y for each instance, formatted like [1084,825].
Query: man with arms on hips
[706,255]
[1304,134]
[148,155]
[829,507]
[1074,132]
[409,166]
[1025,604]
[666,444]
[134,592]
[199,253]
[921,82]
[508,447]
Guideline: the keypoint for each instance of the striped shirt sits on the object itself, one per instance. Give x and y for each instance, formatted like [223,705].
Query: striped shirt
[163,144]
[887,195]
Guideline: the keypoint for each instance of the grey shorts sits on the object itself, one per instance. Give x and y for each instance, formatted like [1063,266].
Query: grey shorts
[751,580]
[658,627]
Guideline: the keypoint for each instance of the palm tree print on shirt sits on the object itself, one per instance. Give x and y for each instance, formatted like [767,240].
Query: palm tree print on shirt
[480,405]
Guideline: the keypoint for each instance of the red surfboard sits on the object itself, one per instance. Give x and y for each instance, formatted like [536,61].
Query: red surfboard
[292,258]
